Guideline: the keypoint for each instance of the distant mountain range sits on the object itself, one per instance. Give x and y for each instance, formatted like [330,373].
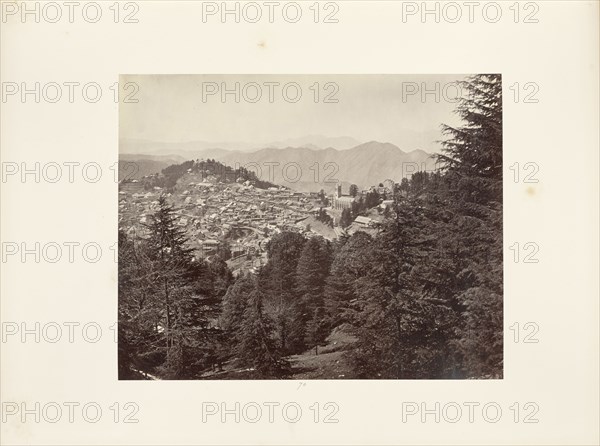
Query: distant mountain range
[303,168]
[316,142]
[133,146]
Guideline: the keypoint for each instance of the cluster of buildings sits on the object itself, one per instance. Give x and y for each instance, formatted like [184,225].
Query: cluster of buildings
[235,216]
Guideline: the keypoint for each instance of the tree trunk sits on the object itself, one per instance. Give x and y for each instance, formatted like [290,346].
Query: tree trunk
[167,319]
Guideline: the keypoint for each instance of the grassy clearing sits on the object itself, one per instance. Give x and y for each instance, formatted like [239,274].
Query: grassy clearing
[329,363]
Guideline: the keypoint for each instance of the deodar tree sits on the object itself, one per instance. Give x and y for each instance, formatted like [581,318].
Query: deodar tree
[166,300]
[258,349]
[473,170]
[430,306]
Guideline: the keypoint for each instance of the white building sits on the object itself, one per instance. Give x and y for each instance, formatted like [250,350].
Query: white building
[340,201]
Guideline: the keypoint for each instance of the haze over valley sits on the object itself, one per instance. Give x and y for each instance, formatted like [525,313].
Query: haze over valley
[307,167]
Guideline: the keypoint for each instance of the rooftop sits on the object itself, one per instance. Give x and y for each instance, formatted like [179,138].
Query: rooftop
[363,220]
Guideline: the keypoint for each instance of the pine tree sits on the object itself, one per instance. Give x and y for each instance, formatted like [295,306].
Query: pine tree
[297,322]
[312,270]
[277,280]
[388,308]
[183,322]
[431,307]
[313,267]
[222,276]
[472,161]
[473,153]
[349,265]
[257,348]
[138,312]
[235,303]
[317,329]
[346,218]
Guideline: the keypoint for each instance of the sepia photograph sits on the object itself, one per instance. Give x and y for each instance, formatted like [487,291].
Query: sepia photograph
[310,227]
[299,223]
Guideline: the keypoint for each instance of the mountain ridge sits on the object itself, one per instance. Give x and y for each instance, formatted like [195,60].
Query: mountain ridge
[311,170]
[145,146]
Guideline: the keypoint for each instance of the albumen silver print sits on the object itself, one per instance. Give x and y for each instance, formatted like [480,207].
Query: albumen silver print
[311,227]
[299,223]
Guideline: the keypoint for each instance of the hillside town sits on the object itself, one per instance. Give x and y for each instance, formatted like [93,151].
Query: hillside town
[234,218]
[228,274]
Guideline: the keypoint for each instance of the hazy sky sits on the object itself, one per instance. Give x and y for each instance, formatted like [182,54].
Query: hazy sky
[385,108]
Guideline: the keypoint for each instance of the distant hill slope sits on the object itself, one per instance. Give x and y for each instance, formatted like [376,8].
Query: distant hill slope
[133,146]
[316,142]
[311,170]
[144,165]
[365,165]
